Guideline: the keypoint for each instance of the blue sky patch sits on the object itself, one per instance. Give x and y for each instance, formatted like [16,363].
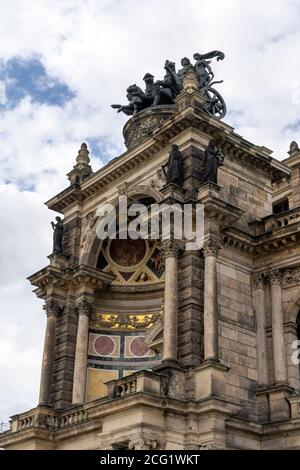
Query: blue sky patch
[28,77]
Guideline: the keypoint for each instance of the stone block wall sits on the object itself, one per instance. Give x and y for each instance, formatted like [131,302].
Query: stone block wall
[190,309]
[237,334]
[245,189]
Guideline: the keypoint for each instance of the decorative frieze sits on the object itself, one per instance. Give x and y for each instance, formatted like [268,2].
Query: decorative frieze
[290,277]
[124,321]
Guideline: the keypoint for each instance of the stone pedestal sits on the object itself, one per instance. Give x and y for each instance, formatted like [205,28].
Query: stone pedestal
[279,405]
[58,260]
[210,380]
[273,403]
[144,123]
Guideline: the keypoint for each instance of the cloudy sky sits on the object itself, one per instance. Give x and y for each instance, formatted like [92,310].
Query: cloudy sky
[62,63]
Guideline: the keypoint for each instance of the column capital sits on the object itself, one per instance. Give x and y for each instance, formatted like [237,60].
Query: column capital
[84,308]
[275,276]
[259,281]
[145,444]
[52,308]
[171,248]
[211,247]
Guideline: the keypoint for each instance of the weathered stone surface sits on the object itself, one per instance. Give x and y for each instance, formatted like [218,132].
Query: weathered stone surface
[230,400]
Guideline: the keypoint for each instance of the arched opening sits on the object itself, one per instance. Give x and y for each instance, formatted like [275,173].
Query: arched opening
[127,309]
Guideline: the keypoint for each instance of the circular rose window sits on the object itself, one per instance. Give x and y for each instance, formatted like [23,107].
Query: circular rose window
[127,253]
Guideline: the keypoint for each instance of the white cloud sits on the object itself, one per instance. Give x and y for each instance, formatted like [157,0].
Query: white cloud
[3,99]
[98,48]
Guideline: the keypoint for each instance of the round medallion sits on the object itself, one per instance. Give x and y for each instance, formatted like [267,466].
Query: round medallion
[127,253]
[104,345]
[138,347]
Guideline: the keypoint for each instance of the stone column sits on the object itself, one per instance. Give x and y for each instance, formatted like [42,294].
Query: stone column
[170,302]
[80,368]
[260,313]
[210,253]
[279,355]
[52,309]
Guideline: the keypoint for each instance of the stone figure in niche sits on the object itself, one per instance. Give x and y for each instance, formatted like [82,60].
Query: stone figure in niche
[174,167]
[58,232]
[213,158]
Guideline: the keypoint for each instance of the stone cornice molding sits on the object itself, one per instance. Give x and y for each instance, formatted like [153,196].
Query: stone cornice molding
[235,146]
[69,278]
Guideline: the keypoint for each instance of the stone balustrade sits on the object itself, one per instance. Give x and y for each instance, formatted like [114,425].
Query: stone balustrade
[143,381]
[278,221]
[45,418]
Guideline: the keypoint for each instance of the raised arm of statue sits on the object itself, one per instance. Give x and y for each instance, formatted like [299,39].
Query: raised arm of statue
[210,55]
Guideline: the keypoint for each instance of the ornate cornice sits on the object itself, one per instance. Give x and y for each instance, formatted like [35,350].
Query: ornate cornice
[69,278]
[236,148]
[245,245]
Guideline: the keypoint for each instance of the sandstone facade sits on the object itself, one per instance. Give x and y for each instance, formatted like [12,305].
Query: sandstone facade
[180,349]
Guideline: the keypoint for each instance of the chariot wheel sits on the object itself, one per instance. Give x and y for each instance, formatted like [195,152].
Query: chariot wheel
[216,105]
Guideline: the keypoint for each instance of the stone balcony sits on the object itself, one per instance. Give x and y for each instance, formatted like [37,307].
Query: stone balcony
[46,418]
[275,222]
